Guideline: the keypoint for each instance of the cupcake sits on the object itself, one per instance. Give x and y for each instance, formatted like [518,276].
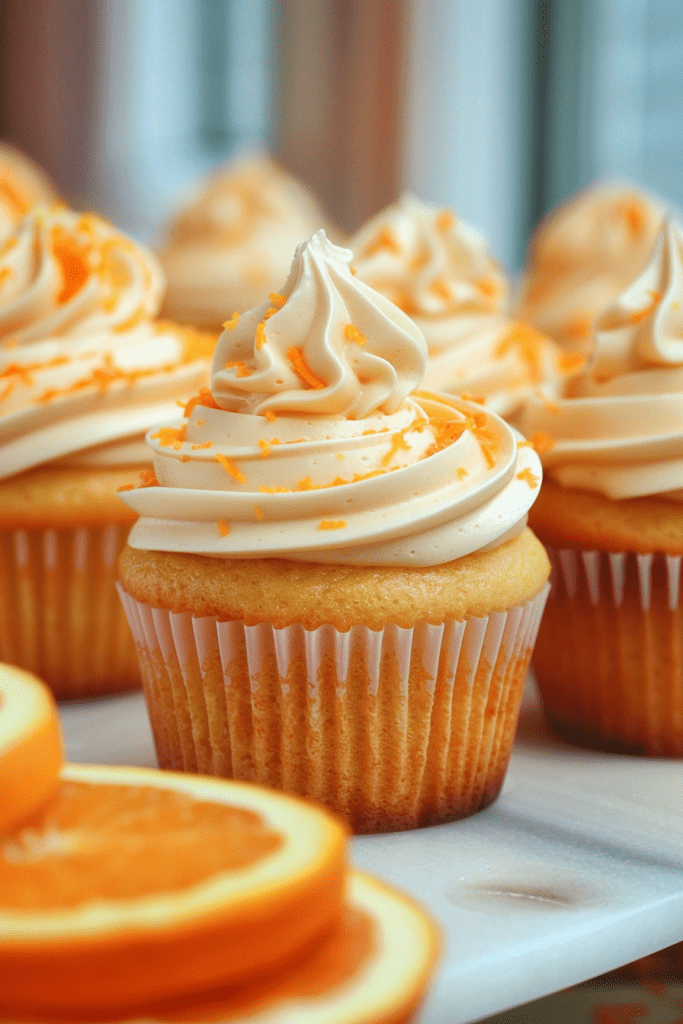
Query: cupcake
[583,255]
[332,587]
[437,269]
[608,660]
[84,371]
[22,185]
[232,243]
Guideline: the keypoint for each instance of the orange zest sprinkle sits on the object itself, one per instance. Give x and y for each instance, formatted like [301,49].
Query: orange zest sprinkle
[305,485]
[275,490]
[445,220]
[277,299]
[204,398]
[569,362]
[541,442]
[302,369]
[5,274]
[641,314]
[170,437]
[386,239]
[265,448]
[487,286]
[73,260]
[198,447]
[230,324]
[530,478]
[579,328]
[405,302]
[634,215]
[258,512]
[126,325]
[126,487]
[440,288]
[527,343]
[242,370]
[148,478]
[420,259]
[352,333]
[223,528]
[270,415]
[332,524]
[353,270]
[479,399]
[231,468]
[398,443]
[461,473]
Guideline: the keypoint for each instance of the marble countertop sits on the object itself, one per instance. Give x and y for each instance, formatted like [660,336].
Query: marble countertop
[575,870]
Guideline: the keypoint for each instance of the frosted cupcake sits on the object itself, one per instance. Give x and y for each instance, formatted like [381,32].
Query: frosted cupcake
[84,371]
[437,269]
[608,660]
[332,587]
[22,185]
[583,255]
[232,243]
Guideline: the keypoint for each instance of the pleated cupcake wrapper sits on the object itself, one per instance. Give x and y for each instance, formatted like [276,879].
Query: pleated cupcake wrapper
[570,566]
[391,728]
[60,616]
[609,657]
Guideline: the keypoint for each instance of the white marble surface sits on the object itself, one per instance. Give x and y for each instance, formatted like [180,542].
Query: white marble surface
[575,870]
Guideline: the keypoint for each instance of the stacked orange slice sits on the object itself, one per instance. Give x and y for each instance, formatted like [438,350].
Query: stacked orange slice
[139,894]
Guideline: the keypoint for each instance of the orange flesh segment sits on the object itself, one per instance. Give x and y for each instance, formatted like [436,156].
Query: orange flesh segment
[115,820]
[30,746]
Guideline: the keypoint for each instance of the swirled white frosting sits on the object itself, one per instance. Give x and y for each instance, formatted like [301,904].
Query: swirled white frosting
[233,242]
[621,432]
[438,270]
[83,366]
[583,255]
[314,445]
[22,185]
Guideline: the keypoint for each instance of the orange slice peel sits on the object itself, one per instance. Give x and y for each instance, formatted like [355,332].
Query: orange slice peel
[372,967]
[135,885]
[31,750]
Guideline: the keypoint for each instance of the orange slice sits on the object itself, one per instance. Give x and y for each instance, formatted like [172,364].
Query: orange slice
[373,966]
[135,884]
[30,745]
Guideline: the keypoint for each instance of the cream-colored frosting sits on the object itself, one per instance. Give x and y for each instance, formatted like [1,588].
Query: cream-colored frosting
[233,242]
[438,270]
[314,445]
[22,185]
[83,366]
[583,255]
[621,432]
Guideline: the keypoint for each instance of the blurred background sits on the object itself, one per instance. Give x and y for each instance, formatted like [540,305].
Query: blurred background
[497,108]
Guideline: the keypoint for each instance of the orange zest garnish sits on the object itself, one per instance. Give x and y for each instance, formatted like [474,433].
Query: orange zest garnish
[398,443]
[230,324]
[487,286]
[642,314]
[270,415]
[170,436]
[527,343]
[5,274]
[277,299]
[634,215]
[198,447]
[260,339]
[258,512]
[541,442]
[223,528]
[444,221]
[386,239]
[479,399]
[126,487]
[440,288]
[265,448]
[578,328]
[204,398]
[231,468]
[148,478]
[242,370]
[302,369]
[73,260]
[530,478]
[352,333]
[569,362]
[133,320]
[461,473]
[332,524]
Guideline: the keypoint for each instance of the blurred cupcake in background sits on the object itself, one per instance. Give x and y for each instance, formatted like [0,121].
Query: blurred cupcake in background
[233,242]
[583,255]
[84,371]
[22,185]
[438,270]
[333,589]
[609,659]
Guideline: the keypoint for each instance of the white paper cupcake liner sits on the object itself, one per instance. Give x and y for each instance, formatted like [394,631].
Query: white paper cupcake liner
[609,657]
[59,613]
[391,728]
